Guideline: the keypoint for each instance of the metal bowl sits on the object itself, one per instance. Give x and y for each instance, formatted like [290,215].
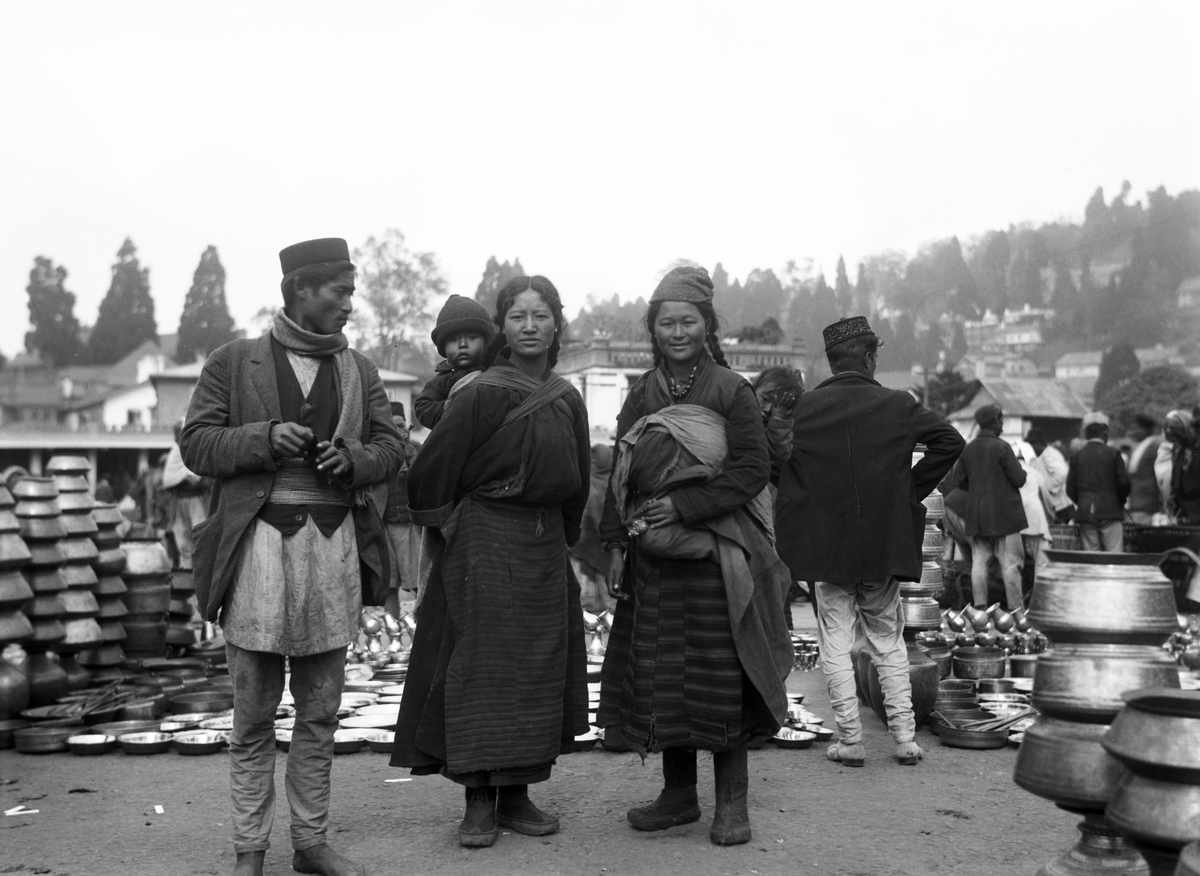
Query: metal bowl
[148,742]
[348,741]
[202,701]
[789,738]
[91,743]
[978,739]
[43,739]
[200,742]
[119,728]
[381,741]
[995,685]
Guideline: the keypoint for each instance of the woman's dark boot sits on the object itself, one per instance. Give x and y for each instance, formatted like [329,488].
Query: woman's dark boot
[731,823]
[478,828]
[516,812]
[677,804]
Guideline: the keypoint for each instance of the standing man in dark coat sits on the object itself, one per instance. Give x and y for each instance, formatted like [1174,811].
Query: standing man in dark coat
[849,517]
[295,428]
[1098,484]
[992,478]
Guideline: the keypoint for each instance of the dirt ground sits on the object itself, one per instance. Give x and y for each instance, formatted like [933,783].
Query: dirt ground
[957,812]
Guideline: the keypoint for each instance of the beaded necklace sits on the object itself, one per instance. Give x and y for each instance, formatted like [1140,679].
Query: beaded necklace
[677,390]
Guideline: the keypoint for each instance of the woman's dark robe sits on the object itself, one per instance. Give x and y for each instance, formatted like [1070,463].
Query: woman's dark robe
[673,673]
[496,687]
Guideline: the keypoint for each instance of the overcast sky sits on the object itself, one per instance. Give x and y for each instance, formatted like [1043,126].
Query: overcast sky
[596,142]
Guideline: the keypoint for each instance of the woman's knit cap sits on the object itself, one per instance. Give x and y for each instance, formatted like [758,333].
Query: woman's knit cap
[685,284]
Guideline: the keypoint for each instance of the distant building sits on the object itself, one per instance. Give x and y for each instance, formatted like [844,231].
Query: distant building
[1086,363]
[603,370]
[1045,403]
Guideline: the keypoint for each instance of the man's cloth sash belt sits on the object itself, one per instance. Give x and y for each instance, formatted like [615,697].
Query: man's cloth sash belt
[300,491]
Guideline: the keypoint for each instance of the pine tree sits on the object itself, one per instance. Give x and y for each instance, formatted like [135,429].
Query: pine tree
[55,334]
[126,317]
[1118,364]
[495,276]
[205,323]
[864,295]
[842,290]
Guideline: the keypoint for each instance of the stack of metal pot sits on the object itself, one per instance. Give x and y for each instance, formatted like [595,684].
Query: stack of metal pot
[110,588]
[14,595]
[79,599]
[148,597]
[1156,805]
[1106,623]
[179,627]
[43,531]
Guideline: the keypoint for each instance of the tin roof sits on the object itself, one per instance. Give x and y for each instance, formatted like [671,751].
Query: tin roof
[1028,397]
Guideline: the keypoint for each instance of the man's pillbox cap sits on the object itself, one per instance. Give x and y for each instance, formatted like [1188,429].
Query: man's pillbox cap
[692,285]
[985,415]
[313,252]
[844,330]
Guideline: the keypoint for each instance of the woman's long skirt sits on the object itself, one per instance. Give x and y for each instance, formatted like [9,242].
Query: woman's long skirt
[671,676]
[496,688]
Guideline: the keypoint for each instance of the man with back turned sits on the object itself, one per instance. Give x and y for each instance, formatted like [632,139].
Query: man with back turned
[849,517]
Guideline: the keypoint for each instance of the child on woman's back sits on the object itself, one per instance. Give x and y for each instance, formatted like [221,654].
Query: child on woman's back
[461,335]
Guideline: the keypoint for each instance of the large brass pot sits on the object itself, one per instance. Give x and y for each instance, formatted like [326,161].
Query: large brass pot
[1153,811]
[106,515]
[75,505]
[921,613]
[147,558]
[33,488]
[1157,735]
[14,591]
[1085,682]
[61,464]
[111,585]
[14,627]
[1064,761]
[976,662]
[46,553]
[79,576]
[13,551]
[81,603]
[933,540]
[82,632]
[43,528]
[1095,602]
[79,550]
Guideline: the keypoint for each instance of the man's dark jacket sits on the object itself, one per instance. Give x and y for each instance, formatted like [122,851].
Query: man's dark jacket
[227,437]
[992,478]
[849,507]
[1098,483]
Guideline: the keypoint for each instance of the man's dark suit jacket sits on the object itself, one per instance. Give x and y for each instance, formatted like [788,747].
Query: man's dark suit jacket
[227,437]
[849,506]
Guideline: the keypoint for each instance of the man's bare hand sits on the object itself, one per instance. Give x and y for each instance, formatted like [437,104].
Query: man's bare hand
[333,461]
[291,439]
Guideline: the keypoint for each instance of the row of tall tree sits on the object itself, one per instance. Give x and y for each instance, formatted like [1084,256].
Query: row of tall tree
[126,316]
[1114,276]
